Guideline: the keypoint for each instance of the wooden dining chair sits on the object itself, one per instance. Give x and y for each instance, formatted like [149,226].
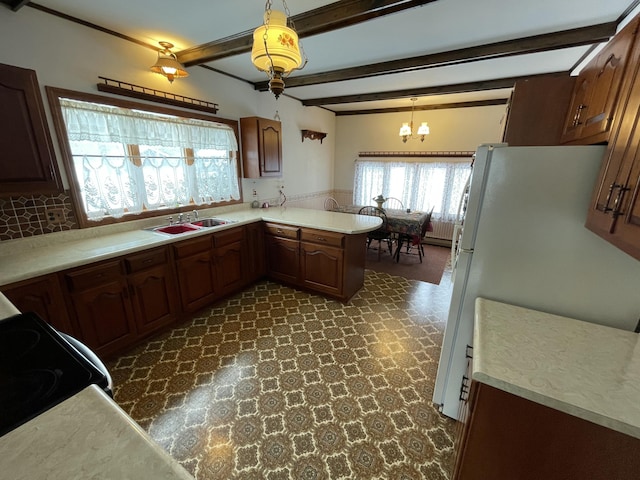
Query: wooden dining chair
[415,241]
[381,234]
[331,203]
[393,203]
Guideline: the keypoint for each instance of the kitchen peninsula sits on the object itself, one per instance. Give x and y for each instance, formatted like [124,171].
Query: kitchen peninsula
[88,435]
[550,397]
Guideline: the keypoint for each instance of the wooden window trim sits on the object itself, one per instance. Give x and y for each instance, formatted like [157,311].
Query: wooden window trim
[54,94]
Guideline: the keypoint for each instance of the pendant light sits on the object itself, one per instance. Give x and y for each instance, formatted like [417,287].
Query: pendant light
[276,48]
[406,130]
[167,64]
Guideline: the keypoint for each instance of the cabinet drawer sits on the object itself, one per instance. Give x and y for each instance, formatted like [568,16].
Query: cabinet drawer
[135,263]
[282,231]
[191,247]
[227,237]
[92,276]
[322,237]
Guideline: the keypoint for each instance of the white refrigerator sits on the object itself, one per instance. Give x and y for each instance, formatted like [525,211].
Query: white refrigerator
[524,242]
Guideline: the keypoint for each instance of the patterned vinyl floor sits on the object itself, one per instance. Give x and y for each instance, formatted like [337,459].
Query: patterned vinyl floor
[275,383]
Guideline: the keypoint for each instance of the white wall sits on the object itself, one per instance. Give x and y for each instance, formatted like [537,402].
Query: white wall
[459,129]
[67,55]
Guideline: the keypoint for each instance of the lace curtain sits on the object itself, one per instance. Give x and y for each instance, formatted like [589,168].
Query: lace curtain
[420,185]
[128,161]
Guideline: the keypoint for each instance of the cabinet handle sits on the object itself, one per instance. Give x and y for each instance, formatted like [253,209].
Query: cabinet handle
[612,187]
[468,351]
[617,204]
[321,239]
[576,117]
[464,388]
[51,172]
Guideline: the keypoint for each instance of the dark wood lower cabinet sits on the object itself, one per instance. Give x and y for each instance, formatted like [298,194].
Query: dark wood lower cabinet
[197,279]
[43,296]
[509,437]
[321,261]
[229,264]
[153,294]
[113,304]
[99,299]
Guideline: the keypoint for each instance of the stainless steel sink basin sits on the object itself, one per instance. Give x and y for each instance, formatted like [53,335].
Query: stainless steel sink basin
[210,222]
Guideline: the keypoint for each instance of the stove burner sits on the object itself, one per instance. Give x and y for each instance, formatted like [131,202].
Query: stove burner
[38,369]
[14,344]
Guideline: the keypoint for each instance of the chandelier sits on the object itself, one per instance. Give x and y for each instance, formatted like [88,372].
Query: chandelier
[276,48]
[406,130]
[167,63]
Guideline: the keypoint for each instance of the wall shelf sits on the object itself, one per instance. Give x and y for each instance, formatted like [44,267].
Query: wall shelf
[312,135]
[144,93]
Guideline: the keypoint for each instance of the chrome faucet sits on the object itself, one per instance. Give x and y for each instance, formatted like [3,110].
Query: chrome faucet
[180,218]
[195,215]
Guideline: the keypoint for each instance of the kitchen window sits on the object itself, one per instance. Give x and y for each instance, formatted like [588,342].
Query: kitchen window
[420,185]
[132,161]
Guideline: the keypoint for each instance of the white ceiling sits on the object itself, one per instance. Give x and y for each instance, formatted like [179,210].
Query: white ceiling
[434,27]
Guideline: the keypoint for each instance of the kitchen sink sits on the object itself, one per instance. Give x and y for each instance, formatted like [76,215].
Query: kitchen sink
[180,228]
[176,229]
[210,222]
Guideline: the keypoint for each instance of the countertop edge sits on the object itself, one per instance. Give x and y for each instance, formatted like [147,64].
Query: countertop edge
[509,378]
[56,257]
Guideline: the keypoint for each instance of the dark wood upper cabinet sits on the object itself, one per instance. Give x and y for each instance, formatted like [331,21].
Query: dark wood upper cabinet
[261,141]
[536,110]
[595,100]
[27,164]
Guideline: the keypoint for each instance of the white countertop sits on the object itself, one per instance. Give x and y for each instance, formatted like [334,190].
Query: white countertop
[583,369]
[28,258]
[86,436]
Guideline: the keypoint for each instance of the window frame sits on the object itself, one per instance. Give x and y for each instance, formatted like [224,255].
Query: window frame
[54,94]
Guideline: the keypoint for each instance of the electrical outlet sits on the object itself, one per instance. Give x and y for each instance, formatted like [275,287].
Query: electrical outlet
[55,216]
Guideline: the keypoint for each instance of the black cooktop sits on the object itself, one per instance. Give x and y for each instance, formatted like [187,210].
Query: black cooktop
[38,369]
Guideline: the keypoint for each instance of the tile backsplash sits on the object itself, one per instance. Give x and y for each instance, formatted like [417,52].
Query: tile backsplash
[28,215]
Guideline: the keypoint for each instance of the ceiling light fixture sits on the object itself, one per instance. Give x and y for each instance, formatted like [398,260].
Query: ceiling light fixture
[167,63]
[406,130]
[276,48]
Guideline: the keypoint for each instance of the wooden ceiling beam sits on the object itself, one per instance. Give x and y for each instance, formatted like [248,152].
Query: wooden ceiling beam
[435,106]
[520,46]
[420,92]
[320,20]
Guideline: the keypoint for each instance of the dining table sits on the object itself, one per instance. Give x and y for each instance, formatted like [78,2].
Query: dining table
[409,225]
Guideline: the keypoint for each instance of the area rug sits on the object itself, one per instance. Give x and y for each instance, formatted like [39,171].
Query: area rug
[430,270]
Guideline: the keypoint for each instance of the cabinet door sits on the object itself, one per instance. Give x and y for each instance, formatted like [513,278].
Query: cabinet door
[537,109]
[596,98]
[229,268]
[105,317]
[197,280]
[322,268]
[153,289]
[607,78]
[44,297]
[283,259]
[154,299]
[27,164]
[270,148]
[579,99]
[614,213]
[255,265]
[261,141]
